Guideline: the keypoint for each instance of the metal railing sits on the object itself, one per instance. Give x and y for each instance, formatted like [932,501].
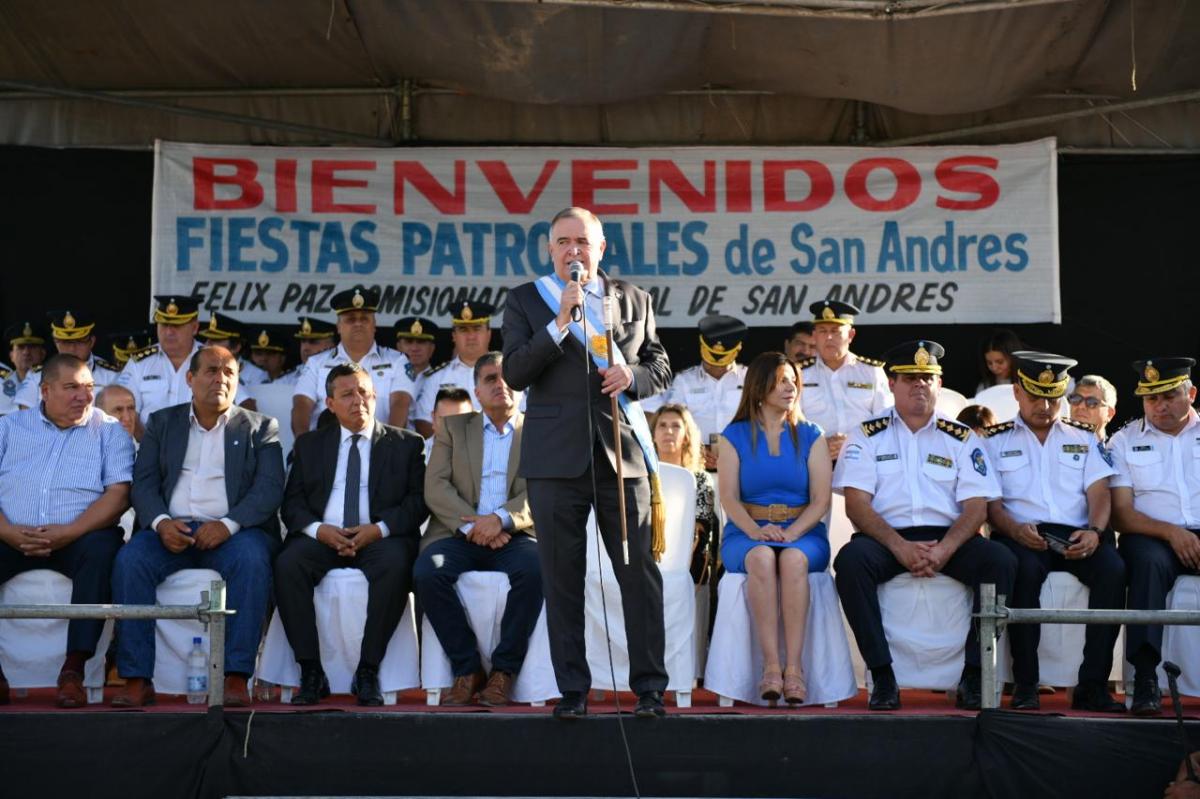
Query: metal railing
[994,616]
[211,612]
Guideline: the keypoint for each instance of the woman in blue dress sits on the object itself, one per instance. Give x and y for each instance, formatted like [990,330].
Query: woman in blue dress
[774,476]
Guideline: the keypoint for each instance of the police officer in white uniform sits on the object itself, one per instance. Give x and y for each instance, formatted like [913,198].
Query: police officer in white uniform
[127,343]
[472,337]
[841,389]
[355,309]
[917,486]
[229,332]
[269,354]
[72,334]
[157,375]
[1156,507]
[1052,517]
[27,350]
[416,337]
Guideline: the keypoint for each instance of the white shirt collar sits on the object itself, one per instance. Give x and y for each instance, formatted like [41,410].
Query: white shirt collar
[366,432]
[222,420]
[1193,419]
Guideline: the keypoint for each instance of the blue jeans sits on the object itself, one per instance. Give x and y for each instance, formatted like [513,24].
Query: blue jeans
[244,561]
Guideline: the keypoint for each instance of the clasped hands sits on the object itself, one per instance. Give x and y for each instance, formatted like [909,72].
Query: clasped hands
[37,542]
[487,531]
[177,536]
[347,541]
[922,558]
[775,533]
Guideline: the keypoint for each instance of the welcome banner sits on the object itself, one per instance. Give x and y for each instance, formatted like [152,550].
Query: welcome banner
[915,235]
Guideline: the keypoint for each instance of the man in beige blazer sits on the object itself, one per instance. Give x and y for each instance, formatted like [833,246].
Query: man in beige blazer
[480,521]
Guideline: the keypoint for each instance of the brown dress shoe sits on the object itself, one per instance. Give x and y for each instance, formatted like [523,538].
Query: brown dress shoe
[497,691]
[70,690]
[237,693]
[137,692]
[463,691]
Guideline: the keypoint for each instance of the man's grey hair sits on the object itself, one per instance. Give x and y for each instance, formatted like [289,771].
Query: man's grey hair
[110,390]
[1106,388]
[486,360]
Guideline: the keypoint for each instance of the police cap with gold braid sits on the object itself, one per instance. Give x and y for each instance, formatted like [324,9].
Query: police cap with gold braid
[358,298]
[172,309]
[71,326]
[841,313]
[1159,375]
[921,357]
[265,342]
[721,339]
[417,328]
[222,328]
[24,333]
[126,343]
[315,329]
[1043,374]
[472,312]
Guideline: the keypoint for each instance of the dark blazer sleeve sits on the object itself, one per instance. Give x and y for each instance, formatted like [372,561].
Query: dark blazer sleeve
[302,500]
[528,347]
[147,492]
[401,503]
[261,495]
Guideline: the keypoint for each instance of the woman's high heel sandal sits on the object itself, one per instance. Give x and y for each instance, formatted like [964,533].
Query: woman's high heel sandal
[771,686]
[794,689]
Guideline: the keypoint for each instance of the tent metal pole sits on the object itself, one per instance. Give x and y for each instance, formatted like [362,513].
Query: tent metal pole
[824,9]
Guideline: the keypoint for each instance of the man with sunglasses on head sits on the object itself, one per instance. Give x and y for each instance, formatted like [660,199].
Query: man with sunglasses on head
[1094,402]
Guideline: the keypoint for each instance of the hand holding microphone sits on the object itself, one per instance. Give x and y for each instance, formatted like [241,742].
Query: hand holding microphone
[576,268]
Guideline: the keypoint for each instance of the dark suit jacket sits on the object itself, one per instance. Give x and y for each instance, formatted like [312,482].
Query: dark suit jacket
[395,486]
[253,466]
[556,442]
[452,481]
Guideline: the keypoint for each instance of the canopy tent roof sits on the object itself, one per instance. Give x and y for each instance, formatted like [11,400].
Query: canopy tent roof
[593,71]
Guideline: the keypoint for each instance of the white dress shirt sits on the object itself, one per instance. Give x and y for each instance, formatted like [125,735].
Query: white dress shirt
[385,365]
[838,401]
[335,506]
[1163,470]
[493,475]
[200,494]
[712,401]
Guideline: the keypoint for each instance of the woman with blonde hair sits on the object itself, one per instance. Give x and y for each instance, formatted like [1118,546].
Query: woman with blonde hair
[677,440]
[775,475]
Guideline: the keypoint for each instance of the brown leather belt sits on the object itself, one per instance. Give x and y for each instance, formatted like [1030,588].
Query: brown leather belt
[773,513]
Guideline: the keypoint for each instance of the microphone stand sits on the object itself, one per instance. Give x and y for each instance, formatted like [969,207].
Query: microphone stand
[616,421]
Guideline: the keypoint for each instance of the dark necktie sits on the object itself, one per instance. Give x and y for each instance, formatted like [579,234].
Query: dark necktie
[353,482]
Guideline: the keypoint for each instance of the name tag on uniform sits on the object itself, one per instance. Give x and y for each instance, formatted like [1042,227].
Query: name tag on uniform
[382,366]
[1079,449]
[938,460]
[1011,453]
[1144,448]
[151,377]
[860,385]
[891,456]
[806,385]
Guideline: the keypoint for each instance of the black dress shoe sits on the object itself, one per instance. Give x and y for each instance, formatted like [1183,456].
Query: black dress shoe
[1025,697]
[366,686]
[573,705]
[970,691]
[1095,698]
[1147,697]
[885,694]
[314,686]
[650,705]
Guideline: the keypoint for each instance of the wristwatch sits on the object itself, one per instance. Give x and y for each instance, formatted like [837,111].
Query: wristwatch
[1094,529]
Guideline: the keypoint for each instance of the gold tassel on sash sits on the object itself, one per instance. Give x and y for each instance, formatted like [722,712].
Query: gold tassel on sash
[658,519]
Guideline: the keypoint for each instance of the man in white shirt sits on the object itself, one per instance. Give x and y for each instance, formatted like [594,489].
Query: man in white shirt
[472,337]
[26,350]
[353,500]
[72,334]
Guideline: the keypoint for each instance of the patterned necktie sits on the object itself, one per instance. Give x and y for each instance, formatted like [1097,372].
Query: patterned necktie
[353,483]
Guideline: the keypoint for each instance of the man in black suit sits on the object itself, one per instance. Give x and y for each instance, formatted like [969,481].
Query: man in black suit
[568,442]
[206,487]
[353,500]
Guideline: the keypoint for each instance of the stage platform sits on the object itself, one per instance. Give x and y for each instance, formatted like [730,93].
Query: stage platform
[338,749]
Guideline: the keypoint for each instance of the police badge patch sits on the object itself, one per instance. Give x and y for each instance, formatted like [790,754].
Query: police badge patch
[978,462]
[1104,453]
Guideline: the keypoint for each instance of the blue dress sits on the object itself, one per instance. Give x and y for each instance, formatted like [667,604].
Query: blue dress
[766,479]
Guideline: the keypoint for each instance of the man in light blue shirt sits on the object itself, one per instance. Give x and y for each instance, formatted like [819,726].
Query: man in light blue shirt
[65,472]
[479,521]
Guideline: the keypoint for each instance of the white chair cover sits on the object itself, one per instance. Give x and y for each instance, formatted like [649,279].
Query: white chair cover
[1061,648]
[840,531]
[275,399]
[735,657]
[173,637]
[926,620]
[950,402]
[340,600]
[484,595]
[679,597]
[1000,399]
[1181,643]
[32,650]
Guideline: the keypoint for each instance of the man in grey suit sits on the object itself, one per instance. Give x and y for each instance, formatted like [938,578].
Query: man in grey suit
[206,487]
[568,447]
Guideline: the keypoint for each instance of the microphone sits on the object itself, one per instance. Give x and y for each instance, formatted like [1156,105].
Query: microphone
[576,268]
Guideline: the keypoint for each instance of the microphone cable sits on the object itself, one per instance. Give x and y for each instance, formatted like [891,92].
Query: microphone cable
[612,670]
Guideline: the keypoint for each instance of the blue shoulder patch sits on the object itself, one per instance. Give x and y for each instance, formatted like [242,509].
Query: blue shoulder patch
[978,461]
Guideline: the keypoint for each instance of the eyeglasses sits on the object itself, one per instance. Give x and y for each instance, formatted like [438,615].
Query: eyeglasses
[1091,402]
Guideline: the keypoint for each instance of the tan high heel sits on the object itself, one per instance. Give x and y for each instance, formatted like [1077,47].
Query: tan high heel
[794,689]
[771,685]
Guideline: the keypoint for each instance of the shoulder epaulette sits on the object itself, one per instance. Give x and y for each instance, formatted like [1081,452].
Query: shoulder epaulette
[873,426]
[4,373]
[1088,426]
[997,429]
[109,365]
[37,368]
[807,362]
[959,431]
[869,361]
[433,369]
[142,354]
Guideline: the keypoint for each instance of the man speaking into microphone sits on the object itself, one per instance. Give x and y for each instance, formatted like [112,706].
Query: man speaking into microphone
[555,348]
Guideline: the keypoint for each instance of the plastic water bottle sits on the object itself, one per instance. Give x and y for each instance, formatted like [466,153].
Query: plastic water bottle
[197,674]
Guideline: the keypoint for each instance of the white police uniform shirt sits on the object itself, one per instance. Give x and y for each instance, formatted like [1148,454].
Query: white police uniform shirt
[418,378]
[288,377]
[840,400]
[11,385]
[250,374]
[712,402]
[916,479]
[385,365]
[1163,470]
[156,384]
[103,374]
[1047,482]
[451,373]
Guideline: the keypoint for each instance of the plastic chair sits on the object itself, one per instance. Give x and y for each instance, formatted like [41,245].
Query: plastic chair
[1001,401]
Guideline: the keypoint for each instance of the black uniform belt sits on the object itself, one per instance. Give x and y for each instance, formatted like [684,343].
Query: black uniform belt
[923,533]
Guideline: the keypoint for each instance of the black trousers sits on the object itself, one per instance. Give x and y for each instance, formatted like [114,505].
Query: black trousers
[560,510]
[88,561]
[304,561]
[1104,575]
[1151,567]
[864,563]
